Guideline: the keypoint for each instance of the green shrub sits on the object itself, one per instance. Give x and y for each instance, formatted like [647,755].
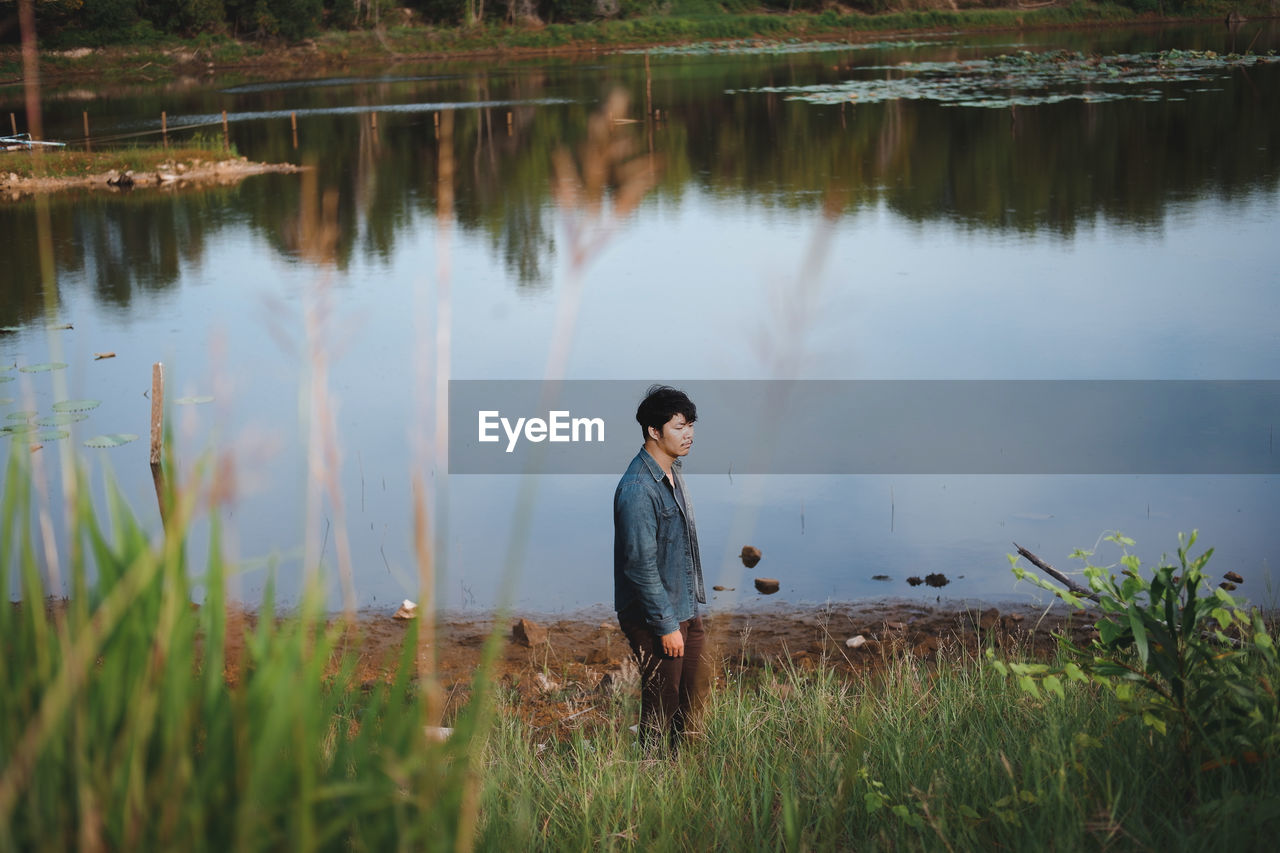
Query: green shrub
[1177,652]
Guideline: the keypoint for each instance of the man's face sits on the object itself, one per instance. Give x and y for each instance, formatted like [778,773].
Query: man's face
[676,438]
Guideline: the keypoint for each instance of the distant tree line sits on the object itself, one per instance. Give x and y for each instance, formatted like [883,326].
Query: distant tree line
[94,22]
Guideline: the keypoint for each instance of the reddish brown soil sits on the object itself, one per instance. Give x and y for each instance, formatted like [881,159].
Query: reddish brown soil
[572,677]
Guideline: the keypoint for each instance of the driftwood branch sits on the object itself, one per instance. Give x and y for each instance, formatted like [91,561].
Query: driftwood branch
[1049,570]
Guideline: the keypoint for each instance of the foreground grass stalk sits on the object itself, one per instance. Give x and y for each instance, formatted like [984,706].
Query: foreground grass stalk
[131,736]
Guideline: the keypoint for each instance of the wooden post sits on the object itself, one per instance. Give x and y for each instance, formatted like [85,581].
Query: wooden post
[164,127]
[373,118]
[13,122]
[293,121]
[157,436]
[88,146]
[509,128]
[226,143]
[436,116]
[157,412]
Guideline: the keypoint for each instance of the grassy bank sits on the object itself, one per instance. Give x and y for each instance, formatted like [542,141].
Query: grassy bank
[121,730]
[77,163]
[165,56]
[952,757]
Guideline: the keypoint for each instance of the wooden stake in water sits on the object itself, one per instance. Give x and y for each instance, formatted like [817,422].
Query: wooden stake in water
[157,412]
[157,437]
[88,146]
[373,117]
[164,127]
[509,128]
[293,121]
[436,116]
[13,122]
[226,143]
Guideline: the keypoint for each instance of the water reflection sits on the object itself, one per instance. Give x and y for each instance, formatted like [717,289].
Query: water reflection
[1070,240]
[1026,169]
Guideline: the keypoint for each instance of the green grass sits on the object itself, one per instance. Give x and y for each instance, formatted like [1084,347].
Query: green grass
[121,731]
[918,758]
[73,163]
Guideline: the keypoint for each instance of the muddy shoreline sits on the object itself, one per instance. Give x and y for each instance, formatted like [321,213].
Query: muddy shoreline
[562,672]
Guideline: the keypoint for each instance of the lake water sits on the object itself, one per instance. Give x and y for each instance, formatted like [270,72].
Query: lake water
[907,210]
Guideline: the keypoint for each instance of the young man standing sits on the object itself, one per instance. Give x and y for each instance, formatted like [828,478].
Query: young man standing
[657,572]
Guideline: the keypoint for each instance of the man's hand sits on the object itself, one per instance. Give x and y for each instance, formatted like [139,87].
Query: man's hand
[673,644]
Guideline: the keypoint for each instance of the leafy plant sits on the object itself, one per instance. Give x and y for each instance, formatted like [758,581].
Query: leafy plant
[1175,651]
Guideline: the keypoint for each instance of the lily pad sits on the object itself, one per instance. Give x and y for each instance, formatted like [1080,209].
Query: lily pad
[76,405]
[19,416]
[192,401]
[6,378]
[1025,79]
[51,435]
[43,368]
[4,401]
[62,419]
[115,439]
[17,429]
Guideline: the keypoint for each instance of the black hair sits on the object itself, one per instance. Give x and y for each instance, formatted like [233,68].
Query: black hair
[661,403]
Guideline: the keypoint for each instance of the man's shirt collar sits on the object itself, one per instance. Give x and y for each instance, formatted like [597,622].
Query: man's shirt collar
[655,470]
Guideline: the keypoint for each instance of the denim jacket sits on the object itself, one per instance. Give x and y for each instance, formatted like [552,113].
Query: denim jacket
[657,572]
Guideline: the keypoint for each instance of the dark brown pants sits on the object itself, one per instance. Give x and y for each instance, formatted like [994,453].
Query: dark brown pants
[671,689]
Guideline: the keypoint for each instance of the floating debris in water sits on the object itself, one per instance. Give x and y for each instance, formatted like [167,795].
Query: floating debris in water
[914,581]
[880,577]
[767,586]
[99,356]
[719,588]
[936,579]
[1024,79]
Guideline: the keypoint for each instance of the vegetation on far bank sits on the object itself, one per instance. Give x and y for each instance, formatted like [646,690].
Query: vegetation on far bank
[159,33]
